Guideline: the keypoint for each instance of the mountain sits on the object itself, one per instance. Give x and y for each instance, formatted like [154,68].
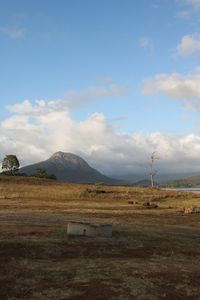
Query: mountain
[193,181]
[143,183]
[160,177]
[71,168]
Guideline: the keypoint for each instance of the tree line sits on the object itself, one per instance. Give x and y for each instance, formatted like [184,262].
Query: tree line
[10,167]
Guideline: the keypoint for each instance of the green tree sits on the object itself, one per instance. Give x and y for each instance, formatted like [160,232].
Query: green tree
[10,164]
[42,173]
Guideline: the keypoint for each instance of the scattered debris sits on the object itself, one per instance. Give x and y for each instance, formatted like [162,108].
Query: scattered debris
[132,202]
[158,197]
[191,210]
[150,205]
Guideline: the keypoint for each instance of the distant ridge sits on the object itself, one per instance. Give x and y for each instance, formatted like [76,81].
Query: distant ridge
[193,181]
[69,167]
[143,183]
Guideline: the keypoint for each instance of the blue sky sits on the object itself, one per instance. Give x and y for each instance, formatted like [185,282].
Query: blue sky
[103,57]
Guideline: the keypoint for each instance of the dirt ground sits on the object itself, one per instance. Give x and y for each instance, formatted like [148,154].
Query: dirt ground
[153,253]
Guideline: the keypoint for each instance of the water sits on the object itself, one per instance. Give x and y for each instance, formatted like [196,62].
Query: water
[193,190]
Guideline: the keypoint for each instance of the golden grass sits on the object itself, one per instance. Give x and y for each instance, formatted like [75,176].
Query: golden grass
[153,254]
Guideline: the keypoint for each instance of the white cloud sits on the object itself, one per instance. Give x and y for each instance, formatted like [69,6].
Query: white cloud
[71,100]
[195,4]
[146,43]
[35,136]
[176,86]
[75,99]
[183,14]
[13,32]
[191,8]
[105,79]
[190,44]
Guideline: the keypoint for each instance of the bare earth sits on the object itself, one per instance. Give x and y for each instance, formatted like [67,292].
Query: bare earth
[153,254]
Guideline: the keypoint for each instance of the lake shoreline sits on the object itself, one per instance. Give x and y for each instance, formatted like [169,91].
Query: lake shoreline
[191,190]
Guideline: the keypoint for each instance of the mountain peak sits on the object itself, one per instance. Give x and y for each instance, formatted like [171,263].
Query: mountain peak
[69,167]
[61,154]
[69,160]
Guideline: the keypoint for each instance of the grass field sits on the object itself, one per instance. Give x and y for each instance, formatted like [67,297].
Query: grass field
[153,253]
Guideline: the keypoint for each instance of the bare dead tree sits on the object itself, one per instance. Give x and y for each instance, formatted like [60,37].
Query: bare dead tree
[153,172]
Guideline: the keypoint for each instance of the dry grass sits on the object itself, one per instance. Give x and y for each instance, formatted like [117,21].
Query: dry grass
[153,254]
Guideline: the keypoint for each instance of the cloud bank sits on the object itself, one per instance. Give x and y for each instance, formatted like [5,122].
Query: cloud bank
[35,131]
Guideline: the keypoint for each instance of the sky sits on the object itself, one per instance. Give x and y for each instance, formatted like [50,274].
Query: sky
[109,80]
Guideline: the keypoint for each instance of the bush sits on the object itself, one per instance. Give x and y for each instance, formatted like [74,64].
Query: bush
[42,173]
[92,192]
